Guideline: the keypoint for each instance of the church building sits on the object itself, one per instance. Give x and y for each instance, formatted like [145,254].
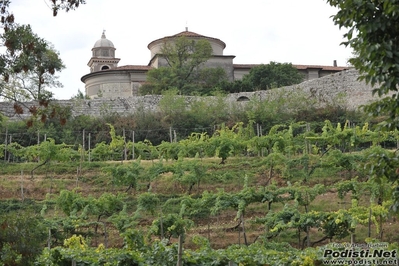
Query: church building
[108,80]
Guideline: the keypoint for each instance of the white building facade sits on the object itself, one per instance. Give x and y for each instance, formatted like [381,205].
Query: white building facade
[108,80]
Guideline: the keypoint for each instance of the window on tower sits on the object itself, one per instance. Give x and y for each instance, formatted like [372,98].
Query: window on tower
[105,53]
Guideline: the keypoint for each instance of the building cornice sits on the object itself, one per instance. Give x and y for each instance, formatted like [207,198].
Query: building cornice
[119,71]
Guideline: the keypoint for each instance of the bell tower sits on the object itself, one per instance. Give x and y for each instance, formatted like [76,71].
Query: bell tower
[103,55]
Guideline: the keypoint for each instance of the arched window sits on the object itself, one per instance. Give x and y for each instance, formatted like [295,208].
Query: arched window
[242,99]
[104,67]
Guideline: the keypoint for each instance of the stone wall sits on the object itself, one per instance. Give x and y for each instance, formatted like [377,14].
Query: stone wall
[342,86]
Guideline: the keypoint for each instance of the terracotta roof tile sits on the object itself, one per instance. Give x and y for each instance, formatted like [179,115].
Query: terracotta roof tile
[331,68]
[245,65]
[187,33]
[133,67]
[326,68]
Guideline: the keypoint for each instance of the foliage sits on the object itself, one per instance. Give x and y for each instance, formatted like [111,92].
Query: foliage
[101,152]
[80,96]
[33,84]
[172,224]
[28,67]
[283,208]
[31,54]
[188,172]
[278,108]
[28,64]
[127,175]
[144,150]
[372,34]
[107,204]
[210,81]
[89,256]
[272,75]
[148,202]
[193,145]
[227,142]
[70,202]
[123,220]
[21,238]
[381,163]
[266,77]
[184,71]
[199,115]
[48,150]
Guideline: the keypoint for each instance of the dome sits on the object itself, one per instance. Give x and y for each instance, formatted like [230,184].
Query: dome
[103,42]
[156,46]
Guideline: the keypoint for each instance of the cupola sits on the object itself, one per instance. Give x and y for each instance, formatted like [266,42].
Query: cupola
[103,55]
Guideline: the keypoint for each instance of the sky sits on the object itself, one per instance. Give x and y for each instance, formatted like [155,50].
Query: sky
[258,31]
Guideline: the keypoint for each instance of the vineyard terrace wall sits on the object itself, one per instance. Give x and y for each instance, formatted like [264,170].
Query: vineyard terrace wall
[343,86]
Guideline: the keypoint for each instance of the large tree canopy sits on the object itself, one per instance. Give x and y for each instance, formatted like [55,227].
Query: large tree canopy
[272,75]
[185,69]
[26,52]
[28,67]
[28,63]
[373,33]
[265,77]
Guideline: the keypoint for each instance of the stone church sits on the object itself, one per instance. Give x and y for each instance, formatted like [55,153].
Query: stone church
[108,80]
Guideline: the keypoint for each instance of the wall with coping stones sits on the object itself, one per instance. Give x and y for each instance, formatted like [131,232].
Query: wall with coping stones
[343,86]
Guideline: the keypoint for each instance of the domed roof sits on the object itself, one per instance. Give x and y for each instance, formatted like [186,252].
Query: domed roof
[188,34]
[103,42]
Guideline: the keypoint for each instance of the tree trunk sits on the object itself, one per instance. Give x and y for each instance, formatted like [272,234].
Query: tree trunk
[270,175]
[180,251]
[243,230]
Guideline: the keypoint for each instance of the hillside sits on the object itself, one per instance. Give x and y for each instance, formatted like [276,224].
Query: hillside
[280,199]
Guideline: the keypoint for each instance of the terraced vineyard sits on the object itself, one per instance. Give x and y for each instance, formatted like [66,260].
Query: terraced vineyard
[284,198]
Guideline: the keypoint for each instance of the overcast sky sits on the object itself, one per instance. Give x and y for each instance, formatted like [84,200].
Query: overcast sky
[256,31]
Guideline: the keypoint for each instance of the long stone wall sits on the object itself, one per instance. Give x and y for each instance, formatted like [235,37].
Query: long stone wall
[342,86]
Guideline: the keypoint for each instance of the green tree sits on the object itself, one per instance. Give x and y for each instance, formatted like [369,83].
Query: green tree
[117,142]
[272,75]
[225,142]
[373,35]
[32,84]
[80,96]
[46,152]
[185,71]
[28,63]
[265,77]
[7,17]
[28,66]
[105,206]
[66,5]
[127,175]
[173,225]
[21,238]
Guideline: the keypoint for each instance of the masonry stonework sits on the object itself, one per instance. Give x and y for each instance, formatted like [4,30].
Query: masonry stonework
[343,85]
